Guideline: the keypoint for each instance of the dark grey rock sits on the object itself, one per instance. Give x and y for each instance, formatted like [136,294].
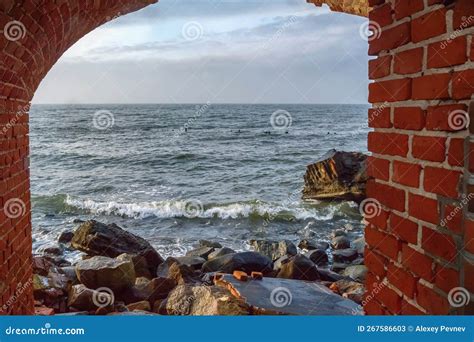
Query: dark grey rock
[207,243]
[299,267]
[318,256]
[220,252]
[311,244]
[340,242]
[202,252]
[344,255]
[274,249]
[244,261]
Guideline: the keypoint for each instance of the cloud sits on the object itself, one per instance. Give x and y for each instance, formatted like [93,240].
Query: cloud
[290,54]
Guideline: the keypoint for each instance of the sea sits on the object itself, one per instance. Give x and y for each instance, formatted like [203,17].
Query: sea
[178,173]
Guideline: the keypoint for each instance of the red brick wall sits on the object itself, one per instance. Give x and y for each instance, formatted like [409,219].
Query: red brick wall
[423,74]
[420,247]
[35,33]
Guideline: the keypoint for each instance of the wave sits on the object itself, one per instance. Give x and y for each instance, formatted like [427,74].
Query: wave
[194,209]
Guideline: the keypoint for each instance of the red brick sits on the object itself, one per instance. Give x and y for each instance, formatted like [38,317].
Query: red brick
[382,15]
[408,62]
[442,181]
[418,263]
[405,8]
[453,217]
[375,263]
[390,91]
[412,118]
[380,220]
[446,278]
[463,84]
[379,117]
[463,14]
[389,196]
[410,310]
[431,87]
[429,25]
[446,117]
[391,38]
[447,53]
[468,275]
[403,228]
[372,307]
[423,208]
[431,301]
[429,148]
[378,168]
[439,244]
[402,280]
[456,152]
[469,236]
[388,143]
[406,173]
[380,67]
[383,242]
[390,299]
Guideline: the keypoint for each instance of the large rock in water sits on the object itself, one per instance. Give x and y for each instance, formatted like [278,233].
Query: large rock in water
[336,175]
[96,238]
[274,249]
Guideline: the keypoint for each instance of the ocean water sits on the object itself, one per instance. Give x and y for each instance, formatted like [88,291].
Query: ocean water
[175,174]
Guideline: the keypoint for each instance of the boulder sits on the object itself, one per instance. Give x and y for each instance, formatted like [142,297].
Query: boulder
[195,262]
[327,275]
[338,232]
[151,291]
[82,298]
[349,289]
[220,252]
[337,175]
[356,272]
[359,245]
[207,243]
[299,267]
[344,255]
[98,239]
[202,252]
[279,262]
[42,265]
[144,305]
[311,244]
[340,242]
[318,256]
[204,300]
[65,237]
[100,271]
[243,261]
[52,250]
[274,249]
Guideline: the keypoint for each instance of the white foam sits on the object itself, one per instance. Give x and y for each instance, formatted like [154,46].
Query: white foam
[177,208]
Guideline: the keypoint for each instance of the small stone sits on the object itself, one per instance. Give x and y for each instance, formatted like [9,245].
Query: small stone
[220,252]
[144,305]
[344,255]
[202,252]
[318,256]
[207,243]
[359,245]
[356,272]
[244,261]
[310,245]
[53,250]
[274,249]
[65,237]
[340,242]
[338,232]
[299,267]
[195,262]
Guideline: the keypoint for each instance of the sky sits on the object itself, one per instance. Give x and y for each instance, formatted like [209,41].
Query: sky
[216,51]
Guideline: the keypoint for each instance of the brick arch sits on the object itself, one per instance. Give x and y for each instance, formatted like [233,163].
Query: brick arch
[420,245]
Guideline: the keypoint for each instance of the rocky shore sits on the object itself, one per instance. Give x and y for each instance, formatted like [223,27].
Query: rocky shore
[122,274]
